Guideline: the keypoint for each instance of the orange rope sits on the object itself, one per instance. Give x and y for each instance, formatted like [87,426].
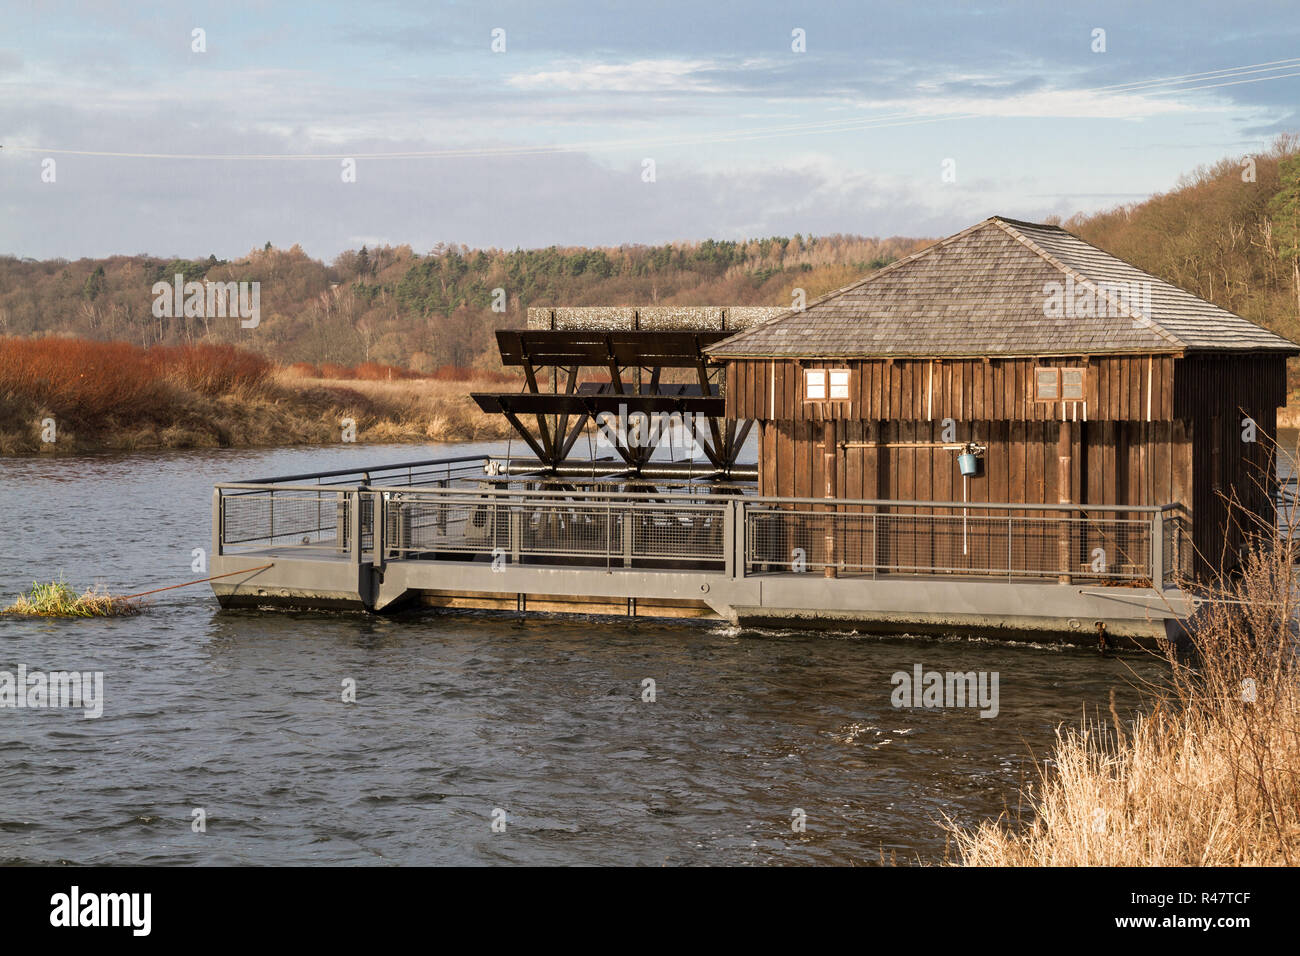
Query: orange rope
[199,581]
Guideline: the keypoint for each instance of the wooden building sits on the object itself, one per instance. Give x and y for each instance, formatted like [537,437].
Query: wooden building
[1074,376]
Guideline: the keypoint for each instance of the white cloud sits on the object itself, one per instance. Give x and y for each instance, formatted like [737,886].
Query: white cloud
[637,76]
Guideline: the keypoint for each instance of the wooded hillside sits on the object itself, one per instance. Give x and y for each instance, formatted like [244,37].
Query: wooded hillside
[394,306]
[1228,233]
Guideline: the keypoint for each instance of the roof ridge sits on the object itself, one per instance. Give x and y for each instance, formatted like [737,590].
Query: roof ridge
[1032,225]
[1148,321]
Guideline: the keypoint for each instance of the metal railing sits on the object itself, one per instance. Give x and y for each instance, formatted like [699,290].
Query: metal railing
[453,511]
[997,540]
[439,472]
[512,527]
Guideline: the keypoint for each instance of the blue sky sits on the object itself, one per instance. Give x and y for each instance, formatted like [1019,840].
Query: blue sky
[545,143]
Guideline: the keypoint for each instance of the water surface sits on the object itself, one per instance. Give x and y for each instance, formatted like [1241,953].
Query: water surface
[239,713]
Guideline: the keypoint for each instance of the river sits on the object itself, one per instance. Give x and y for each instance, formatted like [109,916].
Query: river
[239,713]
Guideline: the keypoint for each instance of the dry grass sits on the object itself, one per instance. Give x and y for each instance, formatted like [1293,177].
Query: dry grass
[378,372]
[116,396]
[1211,777]
[410,410]
[57,599]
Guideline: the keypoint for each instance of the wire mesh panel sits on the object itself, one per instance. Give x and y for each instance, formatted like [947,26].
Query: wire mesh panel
[285,519]
[426,524]
[614,532]
[1049,545]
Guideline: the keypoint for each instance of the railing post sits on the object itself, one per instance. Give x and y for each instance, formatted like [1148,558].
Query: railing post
[217,529]
[875,542]
[342,526]
[354,526]
[1009,533]
[609,532]
[629,523]
[741,542]
[516,518]
[729,540]
[380,518]
[1157,550]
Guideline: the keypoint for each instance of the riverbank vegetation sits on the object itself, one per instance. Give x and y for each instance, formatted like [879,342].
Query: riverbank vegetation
[57,599]
[60,395]
[1209,777]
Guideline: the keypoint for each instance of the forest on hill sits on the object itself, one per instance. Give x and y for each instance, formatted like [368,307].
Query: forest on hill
[394,306]
[1229,233]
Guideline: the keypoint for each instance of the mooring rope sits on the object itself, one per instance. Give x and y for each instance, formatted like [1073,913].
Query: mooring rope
[214,577]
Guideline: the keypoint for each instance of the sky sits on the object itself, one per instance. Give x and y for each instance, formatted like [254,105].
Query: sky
[550,122]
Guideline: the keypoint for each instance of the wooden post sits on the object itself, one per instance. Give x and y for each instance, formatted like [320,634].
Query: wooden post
[1063,469]
[828,466]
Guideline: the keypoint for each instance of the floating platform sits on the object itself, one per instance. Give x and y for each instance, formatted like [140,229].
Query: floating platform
[483,532]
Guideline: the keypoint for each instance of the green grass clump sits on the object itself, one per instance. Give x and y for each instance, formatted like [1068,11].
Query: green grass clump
[56,599]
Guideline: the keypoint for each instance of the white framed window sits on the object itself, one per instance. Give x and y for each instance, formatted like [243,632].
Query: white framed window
[1058,385]
[821,385]
[1071,384]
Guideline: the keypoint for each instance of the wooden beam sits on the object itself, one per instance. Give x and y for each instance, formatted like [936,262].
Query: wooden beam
[523,432]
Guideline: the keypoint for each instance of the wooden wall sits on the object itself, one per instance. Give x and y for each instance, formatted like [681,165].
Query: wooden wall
[1214,394]
[1155,430]
[1138,388]
[1136,463]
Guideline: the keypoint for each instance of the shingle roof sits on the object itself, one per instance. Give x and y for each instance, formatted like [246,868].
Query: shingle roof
[1003,287]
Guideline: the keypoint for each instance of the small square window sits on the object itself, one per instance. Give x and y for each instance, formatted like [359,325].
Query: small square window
[1058,385]
[821,385]
[1047,387]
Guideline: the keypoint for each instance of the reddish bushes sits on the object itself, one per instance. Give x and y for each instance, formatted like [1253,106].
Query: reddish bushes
[458,373]
[80,379]
[212,369]
[75,377]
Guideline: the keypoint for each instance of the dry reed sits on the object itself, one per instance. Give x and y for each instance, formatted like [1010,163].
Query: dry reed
[1211,775]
